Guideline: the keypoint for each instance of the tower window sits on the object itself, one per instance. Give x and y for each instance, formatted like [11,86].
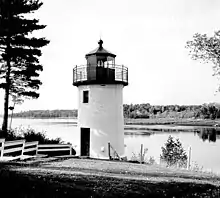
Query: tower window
[85,96]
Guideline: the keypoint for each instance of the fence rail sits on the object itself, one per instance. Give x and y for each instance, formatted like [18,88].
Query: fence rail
[54,147]
[25,147]
[13,143]
[28,144]
[31,143]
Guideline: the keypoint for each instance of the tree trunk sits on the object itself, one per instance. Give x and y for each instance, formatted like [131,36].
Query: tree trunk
[7,88]
[6,101]
[5,118]
[12,112]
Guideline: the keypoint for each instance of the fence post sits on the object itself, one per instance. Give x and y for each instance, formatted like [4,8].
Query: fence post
[189,159]
[2,151]
[70,149]
[23,146]
[109,152]
[141,154]
[37,147]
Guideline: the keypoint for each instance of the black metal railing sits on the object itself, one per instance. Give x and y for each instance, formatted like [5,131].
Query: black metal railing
[95,74]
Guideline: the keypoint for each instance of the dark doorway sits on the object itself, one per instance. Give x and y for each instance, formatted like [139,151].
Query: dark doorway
[85,141]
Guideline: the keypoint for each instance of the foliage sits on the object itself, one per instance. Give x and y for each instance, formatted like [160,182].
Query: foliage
[206,49]
[31,135]
[47,114]
[136,157]
[205,111]
[19,52]
[173,153]
[194,166]
[151,160]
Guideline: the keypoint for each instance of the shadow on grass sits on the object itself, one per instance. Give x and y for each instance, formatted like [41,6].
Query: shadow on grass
[168,175]
[17,184]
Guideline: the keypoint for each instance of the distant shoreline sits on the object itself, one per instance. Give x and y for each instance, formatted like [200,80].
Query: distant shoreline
[38,118]
[151,121]
[174,121]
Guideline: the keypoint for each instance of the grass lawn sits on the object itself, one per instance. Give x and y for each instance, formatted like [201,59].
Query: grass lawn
[99,178]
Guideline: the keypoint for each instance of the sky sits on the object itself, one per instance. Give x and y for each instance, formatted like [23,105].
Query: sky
[148,36]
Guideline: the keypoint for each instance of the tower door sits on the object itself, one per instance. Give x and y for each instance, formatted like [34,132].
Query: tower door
[85,141]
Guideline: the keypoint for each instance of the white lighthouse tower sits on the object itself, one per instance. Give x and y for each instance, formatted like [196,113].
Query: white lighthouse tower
[100,104]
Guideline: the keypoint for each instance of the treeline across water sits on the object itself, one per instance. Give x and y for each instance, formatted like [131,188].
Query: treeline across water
[47,114]
[205,111]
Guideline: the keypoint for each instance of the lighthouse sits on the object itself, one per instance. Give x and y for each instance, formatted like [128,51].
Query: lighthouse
[100,84]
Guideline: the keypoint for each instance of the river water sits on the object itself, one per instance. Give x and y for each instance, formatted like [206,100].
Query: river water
[204,142]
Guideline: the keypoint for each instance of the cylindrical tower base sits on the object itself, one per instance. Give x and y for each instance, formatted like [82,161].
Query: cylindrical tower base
[100,120]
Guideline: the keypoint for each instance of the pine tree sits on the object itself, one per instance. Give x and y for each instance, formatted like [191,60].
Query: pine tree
[173,153]
[19,52]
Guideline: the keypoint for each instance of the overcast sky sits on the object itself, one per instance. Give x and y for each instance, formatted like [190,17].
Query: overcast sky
[148,36]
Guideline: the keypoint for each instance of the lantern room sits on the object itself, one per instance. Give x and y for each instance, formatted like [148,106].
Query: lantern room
[100,57]
[100,68]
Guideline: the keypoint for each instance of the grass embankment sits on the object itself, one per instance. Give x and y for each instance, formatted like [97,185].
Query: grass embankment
[148,126]
[96,178]
[173,121]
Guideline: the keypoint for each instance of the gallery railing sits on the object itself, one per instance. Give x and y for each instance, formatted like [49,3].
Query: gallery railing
[94,74]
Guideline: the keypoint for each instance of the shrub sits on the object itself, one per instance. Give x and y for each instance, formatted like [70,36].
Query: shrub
[173,153]
[195,167]
[151,161]
[137,157]
[30,135]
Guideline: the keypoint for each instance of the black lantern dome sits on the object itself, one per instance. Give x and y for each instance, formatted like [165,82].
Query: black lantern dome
[100,69]
[100,51]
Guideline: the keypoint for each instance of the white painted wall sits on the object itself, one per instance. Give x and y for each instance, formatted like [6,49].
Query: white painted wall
[104,116]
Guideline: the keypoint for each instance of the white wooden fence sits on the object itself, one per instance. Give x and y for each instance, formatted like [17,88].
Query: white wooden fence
[2,141]
[13,143]
[54,147]
[25,147]
[28,144]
